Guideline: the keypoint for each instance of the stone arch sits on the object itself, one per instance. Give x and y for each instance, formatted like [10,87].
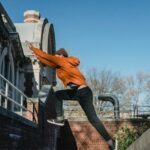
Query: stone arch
[7,68]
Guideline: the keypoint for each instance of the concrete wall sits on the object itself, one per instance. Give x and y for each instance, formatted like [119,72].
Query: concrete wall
[142,143]
[41,35]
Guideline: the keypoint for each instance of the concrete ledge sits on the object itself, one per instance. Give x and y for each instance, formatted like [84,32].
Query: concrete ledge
[142,143]
[43,93]
[11,115]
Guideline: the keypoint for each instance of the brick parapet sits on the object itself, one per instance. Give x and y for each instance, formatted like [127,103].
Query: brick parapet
[87,138]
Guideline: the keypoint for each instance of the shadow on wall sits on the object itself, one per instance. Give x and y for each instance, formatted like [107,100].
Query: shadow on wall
[66,136]
[50,110]
[53,136]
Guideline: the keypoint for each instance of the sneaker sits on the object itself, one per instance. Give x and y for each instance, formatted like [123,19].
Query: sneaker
[114,146]
[56,122]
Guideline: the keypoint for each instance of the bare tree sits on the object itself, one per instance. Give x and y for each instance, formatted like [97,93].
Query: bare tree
[103,82]
[137,87]
[130,90]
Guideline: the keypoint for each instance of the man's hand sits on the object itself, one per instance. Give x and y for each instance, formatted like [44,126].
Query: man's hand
[29,44]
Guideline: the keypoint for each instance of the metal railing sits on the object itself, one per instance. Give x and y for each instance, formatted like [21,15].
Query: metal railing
[13,99]
[73,111]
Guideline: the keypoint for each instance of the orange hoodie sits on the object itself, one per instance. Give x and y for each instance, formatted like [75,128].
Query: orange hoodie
[66,67]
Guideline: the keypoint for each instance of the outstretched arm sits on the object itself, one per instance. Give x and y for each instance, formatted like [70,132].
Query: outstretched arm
[48,63]
[45,58]
[51,58]
[28,44]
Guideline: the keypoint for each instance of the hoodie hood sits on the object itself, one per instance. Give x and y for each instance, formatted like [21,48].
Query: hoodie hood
[73,60]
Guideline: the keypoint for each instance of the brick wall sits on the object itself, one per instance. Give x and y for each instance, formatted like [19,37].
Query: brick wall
[17,132]
[82,136]
[75,135]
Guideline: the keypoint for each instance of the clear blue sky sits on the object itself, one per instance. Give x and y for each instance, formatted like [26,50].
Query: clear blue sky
[104,34]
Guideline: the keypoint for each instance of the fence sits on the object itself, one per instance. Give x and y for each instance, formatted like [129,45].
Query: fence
[73,111]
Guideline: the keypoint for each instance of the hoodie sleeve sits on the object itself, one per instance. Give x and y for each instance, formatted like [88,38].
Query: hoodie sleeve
[42,55]
[48,63]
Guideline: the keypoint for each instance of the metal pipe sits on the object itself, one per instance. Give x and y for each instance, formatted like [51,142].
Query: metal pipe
[114,100]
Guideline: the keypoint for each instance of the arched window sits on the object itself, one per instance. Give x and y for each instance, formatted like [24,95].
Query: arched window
[7,65]
[7,70]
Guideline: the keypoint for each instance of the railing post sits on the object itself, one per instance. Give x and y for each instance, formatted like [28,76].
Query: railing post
[6,94]
[0,91]
[0,99]
[35,107]
[12,104]
[21,103]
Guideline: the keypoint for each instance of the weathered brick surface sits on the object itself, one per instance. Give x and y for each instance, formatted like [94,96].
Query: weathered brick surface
[17,133]
[85,137]
[32,108]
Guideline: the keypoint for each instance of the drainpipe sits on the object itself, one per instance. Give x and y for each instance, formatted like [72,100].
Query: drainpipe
[114,100]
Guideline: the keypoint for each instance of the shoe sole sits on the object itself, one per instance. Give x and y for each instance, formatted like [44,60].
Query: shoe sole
[57,124]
